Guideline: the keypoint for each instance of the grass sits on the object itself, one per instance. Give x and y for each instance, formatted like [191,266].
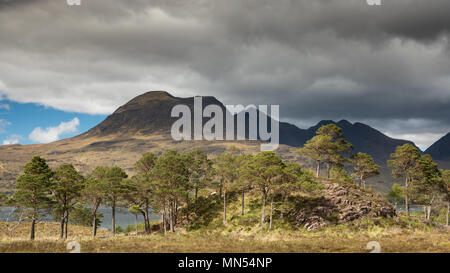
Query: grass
[208,234]
[341,238]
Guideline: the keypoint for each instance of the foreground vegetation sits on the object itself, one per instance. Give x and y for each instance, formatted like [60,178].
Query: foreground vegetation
[404,236]
[246,203]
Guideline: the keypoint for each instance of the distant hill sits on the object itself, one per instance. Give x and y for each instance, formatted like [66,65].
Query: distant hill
[366,139]
[440,150]
[150,113]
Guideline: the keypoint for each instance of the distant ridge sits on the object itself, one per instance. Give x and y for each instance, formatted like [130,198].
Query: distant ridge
[440,150]
[366,139]
[150,112]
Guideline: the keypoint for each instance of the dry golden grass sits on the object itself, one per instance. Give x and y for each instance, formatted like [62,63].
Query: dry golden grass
[12,232]
[330,240]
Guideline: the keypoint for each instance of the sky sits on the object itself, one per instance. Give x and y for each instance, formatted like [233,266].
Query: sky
[64,68]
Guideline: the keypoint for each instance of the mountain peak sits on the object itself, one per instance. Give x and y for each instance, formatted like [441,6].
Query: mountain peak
[146,114]
[144,99]
[344,123]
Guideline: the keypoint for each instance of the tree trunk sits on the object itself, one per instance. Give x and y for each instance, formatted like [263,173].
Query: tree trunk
[63,223]
[113,223]
[284,198]
[172,217]
[406,197]
[136,222]
[187,208]
[195,202]
[425,212]
[263,210]
[448,211]
[94,226]
[225,206]
[220,188]
[145,222]
[94,223]
[175,216]
[271,213]
[243,202]
[67,224]
[165,219]
[428,212]
[318,169]
[33,226]
[328,170]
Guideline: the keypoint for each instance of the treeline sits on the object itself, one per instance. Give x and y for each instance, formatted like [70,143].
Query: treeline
[173,182]
[168,184]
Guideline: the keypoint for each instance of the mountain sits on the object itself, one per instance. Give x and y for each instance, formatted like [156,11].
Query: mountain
[440,150]
[146,114]
[150,114]
[143,125]
[366,139]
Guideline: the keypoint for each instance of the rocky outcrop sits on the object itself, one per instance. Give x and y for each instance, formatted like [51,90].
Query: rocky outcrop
[340,203]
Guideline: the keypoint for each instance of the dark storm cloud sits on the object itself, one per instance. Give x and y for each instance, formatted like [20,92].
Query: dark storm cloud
[14,3]
[322,59]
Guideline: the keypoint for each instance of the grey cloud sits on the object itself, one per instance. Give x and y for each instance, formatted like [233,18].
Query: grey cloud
[323,59]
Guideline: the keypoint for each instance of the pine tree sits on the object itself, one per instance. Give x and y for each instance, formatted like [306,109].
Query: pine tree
[33,190]
[402,162]
[94,192]
[114,190]
[328,146]
[316,149]
[171,175]
[426,181]
[264,170]
[243,184]
[66,187]
[139,188]
[364,167]
[226,165]
[201,171]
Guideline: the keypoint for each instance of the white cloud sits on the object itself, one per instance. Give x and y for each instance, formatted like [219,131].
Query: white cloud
[13,139]
[422,140]
[3,125]
[51,134]
[5,107]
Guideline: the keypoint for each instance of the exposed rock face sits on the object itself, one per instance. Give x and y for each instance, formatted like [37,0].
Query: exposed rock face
[339,204]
